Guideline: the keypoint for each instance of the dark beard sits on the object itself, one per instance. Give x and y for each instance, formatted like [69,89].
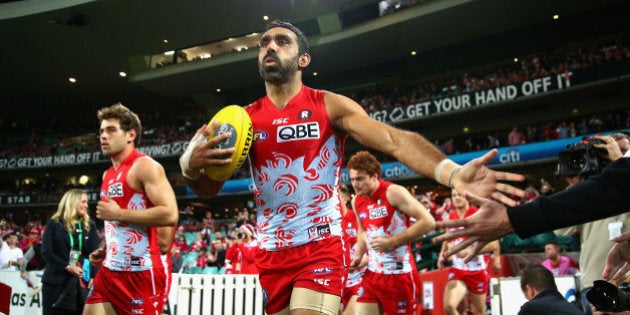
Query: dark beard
[278,73]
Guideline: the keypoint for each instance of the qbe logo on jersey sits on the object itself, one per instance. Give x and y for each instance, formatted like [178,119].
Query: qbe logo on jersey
[307,131]
[378,213]
[115,190]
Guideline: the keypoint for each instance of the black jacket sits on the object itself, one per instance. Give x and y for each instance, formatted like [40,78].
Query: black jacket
[549,302]
[56,250]
[598,197]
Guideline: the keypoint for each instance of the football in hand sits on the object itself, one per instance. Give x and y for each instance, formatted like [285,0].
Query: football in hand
[235,120]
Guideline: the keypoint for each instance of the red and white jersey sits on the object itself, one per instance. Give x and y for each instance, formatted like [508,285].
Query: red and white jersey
[130,247]
[477,263]
[296,159]
[379,218]
[350,230]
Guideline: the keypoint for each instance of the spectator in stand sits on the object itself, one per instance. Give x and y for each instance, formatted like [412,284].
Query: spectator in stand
[515,137]
[546,188]
[549,133]
[177,260]
[202,259]
[198,244]
[10,254]
[218,254]
[530,193]
[558,264]
[207,226]
[532,134]
[242,251]
[180,244]
[32,260]
[539,288]
[218,236]
[32,238]
[563,130]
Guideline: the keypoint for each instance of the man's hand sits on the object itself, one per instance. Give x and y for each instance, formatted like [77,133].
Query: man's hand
[381,244]
[205,154]
[489,223]
[108,210]
[96,257]
[611,146]
[475,177]
[618,261]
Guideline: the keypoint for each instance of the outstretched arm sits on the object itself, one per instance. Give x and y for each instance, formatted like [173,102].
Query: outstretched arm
[419,154]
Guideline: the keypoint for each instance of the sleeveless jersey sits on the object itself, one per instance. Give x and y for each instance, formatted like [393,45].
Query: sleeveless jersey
[478,262]
[379,218]
[130,247]
[296,159]
[350,230]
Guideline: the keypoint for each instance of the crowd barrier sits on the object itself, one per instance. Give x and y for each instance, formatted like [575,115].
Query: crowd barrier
[199,294]
[195,294]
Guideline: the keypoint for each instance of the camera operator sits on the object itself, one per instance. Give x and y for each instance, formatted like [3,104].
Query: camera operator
[242,252]
[600,196]
[595,236]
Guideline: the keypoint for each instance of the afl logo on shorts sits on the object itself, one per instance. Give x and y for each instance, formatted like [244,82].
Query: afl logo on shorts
[305,114]
[137,301]
[260,136]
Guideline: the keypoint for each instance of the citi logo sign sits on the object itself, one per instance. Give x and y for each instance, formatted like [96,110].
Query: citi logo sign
[510,156]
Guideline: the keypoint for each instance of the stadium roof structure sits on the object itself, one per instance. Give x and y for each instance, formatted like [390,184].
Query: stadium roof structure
[45,42]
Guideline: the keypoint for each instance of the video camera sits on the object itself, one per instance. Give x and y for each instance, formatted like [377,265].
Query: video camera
[582,158]
[606,297]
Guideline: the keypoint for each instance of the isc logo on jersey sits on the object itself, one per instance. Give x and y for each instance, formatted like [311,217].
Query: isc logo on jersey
[378,213]
[306,131]
[115,190]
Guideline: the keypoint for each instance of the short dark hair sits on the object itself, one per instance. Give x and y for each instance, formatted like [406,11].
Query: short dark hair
[302,42]
[553,242]
[128,120]
[538,277]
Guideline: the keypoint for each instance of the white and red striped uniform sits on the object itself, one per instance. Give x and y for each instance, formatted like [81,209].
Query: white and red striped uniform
[130,247]
[380,219]
[296,160]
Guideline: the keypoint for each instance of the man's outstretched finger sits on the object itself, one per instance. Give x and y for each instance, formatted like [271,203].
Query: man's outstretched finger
[459,247]
[449,236]
[476,248]
[474,199]
[486,158]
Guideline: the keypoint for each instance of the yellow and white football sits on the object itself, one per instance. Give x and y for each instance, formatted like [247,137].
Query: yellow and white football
[234,119]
